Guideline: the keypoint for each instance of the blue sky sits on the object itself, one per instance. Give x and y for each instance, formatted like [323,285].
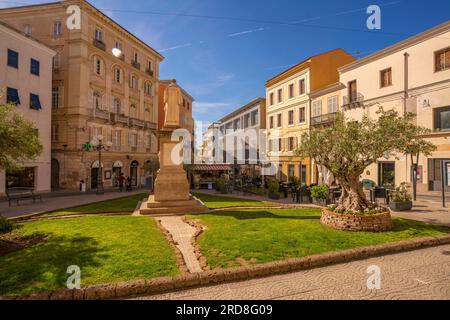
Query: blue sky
[224,63]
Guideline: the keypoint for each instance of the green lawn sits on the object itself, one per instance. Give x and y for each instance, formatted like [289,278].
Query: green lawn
[107,249]
[216,202]
[255,236]
[125,204]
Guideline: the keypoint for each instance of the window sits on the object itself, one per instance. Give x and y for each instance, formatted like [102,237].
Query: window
[247,120]
[98,66]
[57,28]
[118,44]
[148,88]
[13,59]
[150,66]
[34,67]
[271,99]
[133,110]
[148,142]
[442,59]
[302,115]
[352,91]
[117,75]
[136,56]
[56,60]
[302,87]
[12,96]
[55,133]
[20,178]
[255,118]
[28,30]
[386,77]
[303,170]
[279,124]
[271,122]
[442,119]
[99,35]
[280,95]
[333,104]
[291,143]
[291,170]
[133,82]
[117,138]
[117,106]
[280,145]
[55,98]
[291,118]
[35,103]
[97,100]
[317,108]
[291,91]
[237,124]
[133,140]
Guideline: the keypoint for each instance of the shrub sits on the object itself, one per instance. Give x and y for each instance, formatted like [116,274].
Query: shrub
[221,185]
[401,194]
[294,180]
[319,192]
[274,187]
[5,225]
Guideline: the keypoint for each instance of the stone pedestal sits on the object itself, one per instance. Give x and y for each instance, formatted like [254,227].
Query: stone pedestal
[172,194]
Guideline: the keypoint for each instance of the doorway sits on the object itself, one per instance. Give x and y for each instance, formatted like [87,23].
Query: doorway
[55,174]
[94,178]
[117,170]
[386,174]
[134,173]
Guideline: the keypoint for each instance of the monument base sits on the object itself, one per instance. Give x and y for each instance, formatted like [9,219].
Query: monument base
[152,207]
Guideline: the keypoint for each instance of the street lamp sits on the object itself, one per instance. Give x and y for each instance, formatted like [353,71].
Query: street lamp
[414,169]
[99,146]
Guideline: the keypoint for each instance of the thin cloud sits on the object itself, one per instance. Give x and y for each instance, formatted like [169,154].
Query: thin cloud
[203,107]
[245,32]
[176,47]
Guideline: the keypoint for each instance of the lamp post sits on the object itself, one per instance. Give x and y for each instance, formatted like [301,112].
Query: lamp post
[414,168]
[99,146]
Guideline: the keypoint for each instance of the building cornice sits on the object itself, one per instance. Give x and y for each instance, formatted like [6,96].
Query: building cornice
[242,109]
[436,31]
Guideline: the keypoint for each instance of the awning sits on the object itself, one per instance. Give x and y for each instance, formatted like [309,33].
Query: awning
[35,103]
[12,96]
[212,167]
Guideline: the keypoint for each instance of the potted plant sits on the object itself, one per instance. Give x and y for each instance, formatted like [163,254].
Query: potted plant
[274,190]
[320,194]
[400,199]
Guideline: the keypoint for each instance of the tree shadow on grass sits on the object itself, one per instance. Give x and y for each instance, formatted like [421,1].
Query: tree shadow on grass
[44,266]
[250,215]
[417,226]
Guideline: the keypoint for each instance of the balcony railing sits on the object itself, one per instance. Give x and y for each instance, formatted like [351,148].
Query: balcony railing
[136,65]
[99,44]
[353,101]
[149,72]
[120,118]
[137,123]
[150,125]
[101,114]
[323,119]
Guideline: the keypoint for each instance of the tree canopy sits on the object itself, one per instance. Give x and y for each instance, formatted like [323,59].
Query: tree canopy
[348,147]
[19,139]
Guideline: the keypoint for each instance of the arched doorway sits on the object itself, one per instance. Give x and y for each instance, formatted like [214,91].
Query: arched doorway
[117,170]
[94,174]
[134,168]
[55,174]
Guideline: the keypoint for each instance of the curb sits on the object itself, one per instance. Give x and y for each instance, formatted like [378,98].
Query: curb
[189,281]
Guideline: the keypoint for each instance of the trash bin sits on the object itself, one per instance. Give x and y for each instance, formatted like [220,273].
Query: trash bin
[82,186]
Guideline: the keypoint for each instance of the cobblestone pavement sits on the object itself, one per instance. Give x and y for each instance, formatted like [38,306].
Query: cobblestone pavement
[182,233]
[421,274]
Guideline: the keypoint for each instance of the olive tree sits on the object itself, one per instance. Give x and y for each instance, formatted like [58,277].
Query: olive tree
[347,148]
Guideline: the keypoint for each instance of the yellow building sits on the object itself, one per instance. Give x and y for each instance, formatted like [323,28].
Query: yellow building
[289,110]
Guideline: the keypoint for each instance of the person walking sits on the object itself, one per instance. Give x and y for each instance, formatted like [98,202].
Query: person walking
[129,182]
[121,180]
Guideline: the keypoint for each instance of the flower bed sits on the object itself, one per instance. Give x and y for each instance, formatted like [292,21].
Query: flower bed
[353,222]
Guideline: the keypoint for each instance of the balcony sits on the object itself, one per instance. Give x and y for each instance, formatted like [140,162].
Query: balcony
[149,72]
[136,65]
[120,118]
[323,119]
[353,101]
[150,125]
[99,44]
[101,114]
[137,123]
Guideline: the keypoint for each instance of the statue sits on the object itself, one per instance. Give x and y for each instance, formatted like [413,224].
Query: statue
[172,102]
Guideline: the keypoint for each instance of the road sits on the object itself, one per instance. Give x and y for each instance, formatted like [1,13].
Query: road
[420,274]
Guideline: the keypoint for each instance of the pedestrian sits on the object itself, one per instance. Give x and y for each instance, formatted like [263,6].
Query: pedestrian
[121,180]
[129,187]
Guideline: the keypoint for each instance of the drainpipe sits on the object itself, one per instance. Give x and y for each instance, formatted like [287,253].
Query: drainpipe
[406,81]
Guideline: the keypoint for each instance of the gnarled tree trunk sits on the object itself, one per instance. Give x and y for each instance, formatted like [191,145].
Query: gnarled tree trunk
[353,197]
